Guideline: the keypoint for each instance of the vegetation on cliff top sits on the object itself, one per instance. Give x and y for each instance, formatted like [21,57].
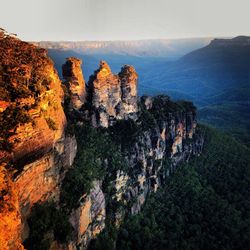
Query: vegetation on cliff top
[127,132]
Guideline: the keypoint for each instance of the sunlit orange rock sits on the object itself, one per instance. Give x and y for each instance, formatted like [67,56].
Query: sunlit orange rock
[10,219]
[32,136]
[30,86]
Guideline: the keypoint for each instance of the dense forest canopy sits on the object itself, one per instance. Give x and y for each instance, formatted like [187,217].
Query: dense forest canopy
[204,204]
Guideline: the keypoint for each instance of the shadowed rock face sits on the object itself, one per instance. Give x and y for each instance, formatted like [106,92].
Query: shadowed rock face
[88,220]
[113,97]
[72,73]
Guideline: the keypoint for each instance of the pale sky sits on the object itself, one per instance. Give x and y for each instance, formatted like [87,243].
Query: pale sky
[124,19]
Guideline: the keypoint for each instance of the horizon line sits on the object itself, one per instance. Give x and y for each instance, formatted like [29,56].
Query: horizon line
[143,39]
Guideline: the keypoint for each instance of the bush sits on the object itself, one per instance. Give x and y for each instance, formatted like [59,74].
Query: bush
[97,157]
[46,222]
[124,132]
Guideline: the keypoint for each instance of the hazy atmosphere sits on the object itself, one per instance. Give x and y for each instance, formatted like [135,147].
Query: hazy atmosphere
[124,20]
[125,125]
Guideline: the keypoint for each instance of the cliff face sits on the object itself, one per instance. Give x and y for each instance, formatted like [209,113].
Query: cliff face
[162,131]
[32,119]
[88,220]
[172,138]
[34,151]
[112,97]
[10,227]
[169,137]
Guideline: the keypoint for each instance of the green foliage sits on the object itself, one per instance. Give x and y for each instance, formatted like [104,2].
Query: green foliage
[124,132]
[47,222]
[162,109]
[231,117]
[187,106]
[105,240]
[204,205]
[97,157]
[146,119]
[51,123]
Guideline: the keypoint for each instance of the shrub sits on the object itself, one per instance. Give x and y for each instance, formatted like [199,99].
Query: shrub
[97,157]
[46,222]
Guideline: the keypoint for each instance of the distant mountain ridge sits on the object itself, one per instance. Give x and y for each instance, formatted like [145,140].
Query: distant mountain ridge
[223,64]
[170,48]
[239,40]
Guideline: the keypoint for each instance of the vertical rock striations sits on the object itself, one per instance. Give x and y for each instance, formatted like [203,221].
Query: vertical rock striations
[105,95]
[72,73]
[112,97]
[128,77]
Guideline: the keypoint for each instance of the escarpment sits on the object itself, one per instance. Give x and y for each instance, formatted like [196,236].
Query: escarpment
[34,150]
[86,172]
[152,135]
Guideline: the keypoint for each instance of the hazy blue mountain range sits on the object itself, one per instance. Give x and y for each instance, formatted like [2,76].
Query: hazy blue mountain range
[165,48]
[215,77]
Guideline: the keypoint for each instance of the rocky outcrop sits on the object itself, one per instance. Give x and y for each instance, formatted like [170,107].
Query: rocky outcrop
[173,139]
[89,219]
[112,97]
[74,81]
[128,78]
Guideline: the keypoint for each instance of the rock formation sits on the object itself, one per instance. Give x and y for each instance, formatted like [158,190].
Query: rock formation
[88,220]
[36,152]
[72,73]
[112,97]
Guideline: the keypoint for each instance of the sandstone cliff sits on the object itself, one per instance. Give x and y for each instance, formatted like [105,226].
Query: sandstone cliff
[32,117]
[33,147]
